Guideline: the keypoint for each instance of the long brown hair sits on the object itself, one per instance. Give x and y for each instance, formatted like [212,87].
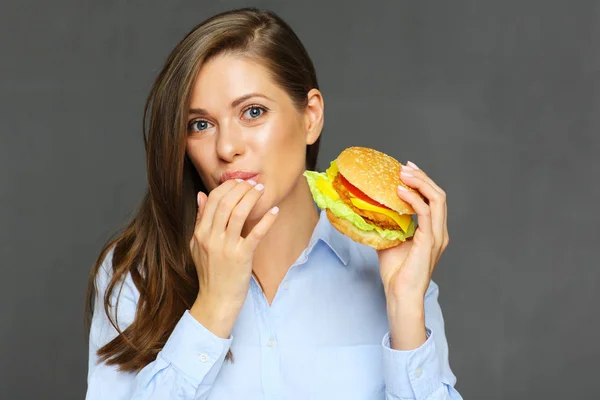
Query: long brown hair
[154,247]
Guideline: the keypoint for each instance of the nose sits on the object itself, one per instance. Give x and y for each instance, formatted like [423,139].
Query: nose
[230,142]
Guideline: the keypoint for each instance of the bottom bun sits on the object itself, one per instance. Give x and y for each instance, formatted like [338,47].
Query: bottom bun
[370,238]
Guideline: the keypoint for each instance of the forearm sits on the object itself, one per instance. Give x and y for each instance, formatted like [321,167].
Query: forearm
[406,319]
[415,351]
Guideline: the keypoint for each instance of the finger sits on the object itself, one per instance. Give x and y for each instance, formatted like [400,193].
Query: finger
[227,205]
[418,204]
[260,230]
[212,202]
[413,169]
[201,201]
[446,222]
[437,202]
[240,214]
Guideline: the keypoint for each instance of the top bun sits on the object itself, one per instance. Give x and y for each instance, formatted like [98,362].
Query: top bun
[375,174]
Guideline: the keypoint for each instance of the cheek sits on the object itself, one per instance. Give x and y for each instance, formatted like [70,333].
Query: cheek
[287,155]
[287,142]
[280,142]
[199,160]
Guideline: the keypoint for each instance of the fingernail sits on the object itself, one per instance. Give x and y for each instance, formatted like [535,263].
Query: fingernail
[406,174]
[412,164]
[407,168]
[259,187]
[250,181]
[239,180]
[274,210]
[402,188]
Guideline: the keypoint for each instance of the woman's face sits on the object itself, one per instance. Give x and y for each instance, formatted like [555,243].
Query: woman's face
[241,124]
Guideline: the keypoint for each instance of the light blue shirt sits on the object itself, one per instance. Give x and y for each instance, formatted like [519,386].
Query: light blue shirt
[325,336]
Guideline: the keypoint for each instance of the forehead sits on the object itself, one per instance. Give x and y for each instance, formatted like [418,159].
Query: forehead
[227,77]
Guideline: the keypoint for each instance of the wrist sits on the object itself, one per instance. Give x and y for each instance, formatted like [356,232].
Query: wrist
[412,307]
[407,325]
[215,316]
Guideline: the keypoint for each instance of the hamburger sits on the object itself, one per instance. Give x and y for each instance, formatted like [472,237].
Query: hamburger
[358,192]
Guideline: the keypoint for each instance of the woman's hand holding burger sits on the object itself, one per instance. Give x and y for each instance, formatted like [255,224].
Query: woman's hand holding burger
[406,269]
[371,198]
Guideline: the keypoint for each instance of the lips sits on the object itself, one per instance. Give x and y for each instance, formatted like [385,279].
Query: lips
[238,174]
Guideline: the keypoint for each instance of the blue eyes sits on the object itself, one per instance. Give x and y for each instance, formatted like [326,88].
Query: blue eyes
[254,112]
[250,113]
[200,125]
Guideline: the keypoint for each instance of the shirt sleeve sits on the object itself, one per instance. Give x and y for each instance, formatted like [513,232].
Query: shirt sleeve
[184,369]
[423,373]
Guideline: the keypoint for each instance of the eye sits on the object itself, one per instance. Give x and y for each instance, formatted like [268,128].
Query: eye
[254,112]
[198,125]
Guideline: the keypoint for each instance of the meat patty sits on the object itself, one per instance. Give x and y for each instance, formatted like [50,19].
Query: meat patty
[381,220]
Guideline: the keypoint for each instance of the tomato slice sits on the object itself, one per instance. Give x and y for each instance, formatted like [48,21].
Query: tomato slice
[356,192]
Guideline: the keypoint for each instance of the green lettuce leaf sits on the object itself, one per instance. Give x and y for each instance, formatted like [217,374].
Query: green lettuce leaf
[341,210]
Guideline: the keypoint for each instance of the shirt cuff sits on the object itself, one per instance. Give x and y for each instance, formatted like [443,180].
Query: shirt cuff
[195,351]
[411,373]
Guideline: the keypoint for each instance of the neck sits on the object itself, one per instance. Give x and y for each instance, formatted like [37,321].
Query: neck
[288,236]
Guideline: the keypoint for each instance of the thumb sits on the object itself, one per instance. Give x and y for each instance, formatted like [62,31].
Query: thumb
[201,200]
[201,203]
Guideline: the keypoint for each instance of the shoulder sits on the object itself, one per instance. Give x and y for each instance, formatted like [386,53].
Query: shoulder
[123,293]
[106,266]
[122,298]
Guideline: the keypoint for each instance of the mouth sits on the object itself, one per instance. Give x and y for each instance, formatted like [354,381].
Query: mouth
[238,174]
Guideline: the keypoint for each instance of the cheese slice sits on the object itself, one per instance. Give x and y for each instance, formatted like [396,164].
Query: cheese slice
[325,186]
[327,189]
[402,220]
[332,171]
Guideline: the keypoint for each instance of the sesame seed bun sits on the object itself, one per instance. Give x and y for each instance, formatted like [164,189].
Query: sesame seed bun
[375,174]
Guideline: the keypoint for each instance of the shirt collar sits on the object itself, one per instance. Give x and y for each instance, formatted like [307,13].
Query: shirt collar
[336,241]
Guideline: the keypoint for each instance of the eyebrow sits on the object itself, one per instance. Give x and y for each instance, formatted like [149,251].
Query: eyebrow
[234,104]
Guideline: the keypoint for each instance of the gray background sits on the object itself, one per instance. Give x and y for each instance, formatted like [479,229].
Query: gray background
[497,100]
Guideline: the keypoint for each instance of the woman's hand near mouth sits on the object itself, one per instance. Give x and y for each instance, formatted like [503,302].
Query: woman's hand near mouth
[223,258]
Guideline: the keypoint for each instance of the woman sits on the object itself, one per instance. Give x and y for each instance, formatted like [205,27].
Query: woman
[249,293]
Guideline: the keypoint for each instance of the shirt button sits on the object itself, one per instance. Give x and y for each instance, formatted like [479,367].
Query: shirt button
[419,372]
[286,284]
[203,357]
[271,342]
